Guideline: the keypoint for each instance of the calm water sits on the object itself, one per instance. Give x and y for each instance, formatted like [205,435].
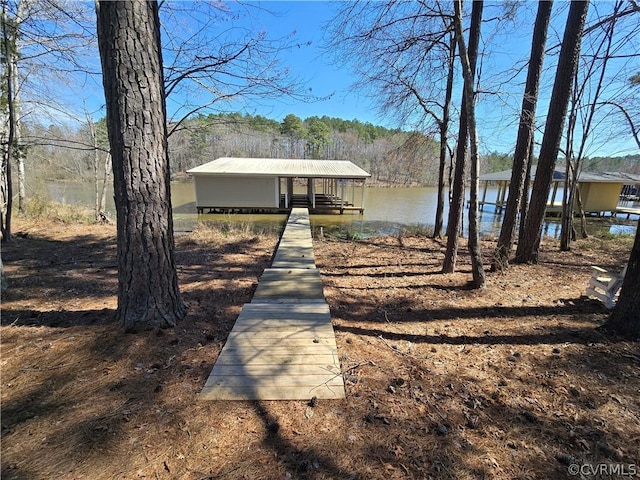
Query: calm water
[387,210]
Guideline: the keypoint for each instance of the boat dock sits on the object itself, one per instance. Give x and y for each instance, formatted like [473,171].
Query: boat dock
[282,346]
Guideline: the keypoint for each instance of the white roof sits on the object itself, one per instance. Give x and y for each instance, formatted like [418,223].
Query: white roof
[279,167]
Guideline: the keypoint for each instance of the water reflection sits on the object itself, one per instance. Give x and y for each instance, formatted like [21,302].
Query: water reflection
[387,211]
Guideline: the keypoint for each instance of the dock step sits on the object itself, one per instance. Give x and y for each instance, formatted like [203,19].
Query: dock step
[297,283]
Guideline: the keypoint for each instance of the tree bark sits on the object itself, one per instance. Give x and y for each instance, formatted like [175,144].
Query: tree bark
[524,200]
[444,130]
[105,180]
[457,198]
[6,186]
[477,268]
[129,44]
[625,318]
[567,230]
[529,239]
[96,161]
[524,138]
[11,32]
[19,153]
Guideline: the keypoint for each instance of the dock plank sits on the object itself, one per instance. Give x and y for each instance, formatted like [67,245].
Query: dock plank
[314,328]
[296,282]
[283,350]
[261,358]
[259,342]
[324,392]
[277,381]
[289,307]
[262,370]
[325,332]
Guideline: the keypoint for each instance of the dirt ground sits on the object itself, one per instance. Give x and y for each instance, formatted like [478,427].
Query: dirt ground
[443,382]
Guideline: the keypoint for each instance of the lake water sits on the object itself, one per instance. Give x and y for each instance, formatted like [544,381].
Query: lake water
[387,211]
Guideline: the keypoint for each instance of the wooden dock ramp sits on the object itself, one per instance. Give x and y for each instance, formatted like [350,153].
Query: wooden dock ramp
[282,346]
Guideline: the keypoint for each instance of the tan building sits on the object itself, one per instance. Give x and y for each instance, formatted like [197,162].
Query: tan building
[600,192]
[267,184]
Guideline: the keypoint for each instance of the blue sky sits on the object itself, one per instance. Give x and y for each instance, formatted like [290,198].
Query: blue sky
[308,19]
[304,22]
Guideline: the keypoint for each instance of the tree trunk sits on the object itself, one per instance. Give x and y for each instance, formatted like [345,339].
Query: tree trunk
[625,318]
[570,177]
[6,190]
[444,130]
[6,187]
[105,180]
[583,217]
[477,268]
[454,221]
[129,44]
[567,230]
[529,239]
[524,201]
[19,153]
[96,161]
[525,137]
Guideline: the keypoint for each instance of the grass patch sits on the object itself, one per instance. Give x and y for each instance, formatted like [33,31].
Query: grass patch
[416,230]
[214,232]
[39,208]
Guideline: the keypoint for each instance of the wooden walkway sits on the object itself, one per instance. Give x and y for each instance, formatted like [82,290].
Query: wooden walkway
[282,346]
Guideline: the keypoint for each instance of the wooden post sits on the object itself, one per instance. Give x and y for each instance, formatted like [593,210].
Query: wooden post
[555,190]
[503,193]
[484,196]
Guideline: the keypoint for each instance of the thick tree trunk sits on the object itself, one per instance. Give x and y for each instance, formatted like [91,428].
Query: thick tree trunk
[444,130]
[129,43]
[529,239]
[625,318]
[525,137]
[456,207]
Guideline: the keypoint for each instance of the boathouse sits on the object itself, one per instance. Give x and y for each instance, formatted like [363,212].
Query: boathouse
[601,193]
[253,185]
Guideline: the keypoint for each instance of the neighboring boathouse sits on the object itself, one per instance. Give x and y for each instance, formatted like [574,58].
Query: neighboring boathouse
[267,185]
[606,192]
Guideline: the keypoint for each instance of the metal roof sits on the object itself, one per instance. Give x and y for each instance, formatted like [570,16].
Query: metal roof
[279,167]
[559,176]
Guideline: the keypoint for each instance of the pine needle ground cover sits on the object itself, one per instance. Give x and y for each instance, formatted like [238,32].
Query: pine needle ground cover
[514,381]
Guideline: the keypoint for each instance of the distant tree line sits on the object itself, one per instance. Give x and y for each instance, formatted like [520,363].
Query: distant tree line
[392,156]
